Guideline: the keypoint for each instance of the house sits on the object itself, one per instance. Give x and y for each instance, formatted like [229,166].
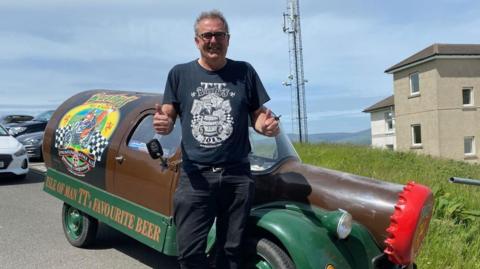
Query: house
[437,101]
[382,123]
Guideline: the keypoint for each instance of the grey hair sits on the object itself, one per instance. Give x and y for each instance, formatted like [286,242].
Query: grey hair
[213,14]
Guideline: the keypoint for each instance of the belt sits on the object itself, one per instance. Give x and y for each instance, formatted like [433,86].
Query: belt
[217,168]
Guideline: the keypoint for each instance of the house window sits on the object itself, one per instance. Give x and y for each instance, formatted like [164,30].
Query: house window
[389,146]
[469,145]
[467,96]
[416,135]
[390,121]
[414,84]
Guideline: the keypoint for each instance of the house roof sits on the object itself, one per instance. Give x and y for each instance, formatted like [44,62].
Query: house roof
[387,102]
[438,50]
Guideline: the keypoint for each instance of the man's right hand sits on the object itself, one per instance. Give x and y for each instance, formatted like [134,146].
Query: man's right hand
[162,123]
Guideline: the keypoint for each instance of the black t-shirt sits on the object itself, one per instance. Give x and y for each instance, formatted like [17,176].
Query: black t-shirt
[214,108]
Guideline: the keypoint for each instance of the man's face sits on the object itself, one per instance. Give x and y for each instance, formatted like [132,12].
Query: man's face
[212,47]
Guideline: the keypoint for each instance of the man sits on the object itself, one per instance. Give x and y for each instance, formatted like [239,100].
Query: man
[215,98]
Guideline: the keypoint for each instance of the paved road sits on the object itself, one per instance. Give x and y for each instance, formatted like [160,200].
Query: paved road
[31,234]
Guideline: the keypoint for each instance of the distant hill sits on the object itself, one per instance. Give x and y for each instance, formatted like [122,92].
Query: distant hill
[359,138]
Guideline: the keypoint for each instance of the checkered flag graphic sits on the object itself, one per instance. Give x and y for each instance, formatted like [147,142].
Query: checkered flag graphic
[60,136]
[97,145]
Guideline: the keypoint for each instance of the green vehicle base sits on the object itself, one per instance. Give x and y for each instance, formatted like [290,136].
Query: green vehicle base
[300,229]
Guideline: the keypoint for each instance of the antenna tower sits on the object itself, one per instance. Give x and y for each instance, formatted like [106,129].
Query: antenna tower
[296,81]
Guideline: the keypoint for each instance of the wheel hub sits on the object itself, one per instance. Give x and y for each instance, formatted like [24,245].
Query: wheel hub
[74,222]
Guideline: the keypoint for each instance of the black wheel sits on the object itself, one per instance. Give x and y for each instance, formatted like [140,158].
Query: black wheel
[267,255]
[79,228]
[23,176]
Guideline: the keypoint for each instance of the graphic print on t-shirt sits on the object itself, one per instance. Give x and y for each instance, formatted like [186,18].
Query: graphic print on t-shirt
[212,122]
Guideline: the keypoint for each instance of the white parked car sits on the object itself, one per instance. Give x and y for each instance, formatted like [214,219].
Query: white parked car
[13,156]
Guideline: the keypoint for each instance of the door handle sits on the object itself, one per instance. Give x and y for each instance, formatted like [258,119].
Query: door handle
[119,159]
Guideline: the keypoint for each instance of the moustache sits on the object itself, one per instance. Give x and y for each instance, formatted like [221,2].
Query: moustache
[210,46]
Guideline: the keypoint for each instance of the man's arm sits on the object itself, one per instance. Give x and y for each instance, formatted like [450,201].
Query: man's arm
[264,122]
[164,118]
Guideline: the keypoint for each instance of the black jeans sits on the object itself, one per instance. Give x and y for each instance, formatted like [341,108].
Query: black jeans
[203,194]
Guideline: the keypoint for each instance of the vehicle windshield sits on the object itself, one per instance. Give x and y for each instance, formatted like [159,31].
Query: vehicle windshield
[44,116]
[269,151]
[3,132]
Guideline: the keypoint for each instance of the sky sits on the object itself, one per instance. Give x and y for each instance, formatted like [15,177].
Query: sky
[53,49]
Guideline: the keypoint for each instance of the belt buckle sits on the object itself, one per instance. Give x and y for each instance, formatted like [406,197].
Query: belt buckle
[217,169]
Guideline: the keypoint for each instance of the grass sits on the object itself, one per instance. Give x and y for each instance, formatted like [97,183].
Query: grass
[453,240]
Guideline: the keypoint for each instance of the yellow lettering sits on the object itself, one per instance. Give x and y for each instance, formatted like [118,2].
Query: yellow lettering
[50,183]
[122,217]
[85,195]
[148,229]
[138,227]
[156,234]
[60,187]
[70,192]
[144,228]
[105,208]
[131,219]
[151,229]
[125,218]
[96,206]
[118,215]
[112,212]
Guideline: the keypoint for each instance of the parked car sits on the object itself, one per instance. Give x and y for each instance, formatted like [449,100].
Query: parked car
[13,156]
[96,150]
[33,144]
[38,123]
[15,118]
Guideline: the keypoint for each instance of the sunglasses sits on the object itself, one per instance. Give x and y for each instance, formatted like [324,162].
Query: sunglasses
[210,35]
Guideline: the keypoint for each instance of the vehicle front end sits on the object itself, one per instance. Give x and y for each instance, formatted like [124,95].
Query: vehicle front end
[317,238]
[13,156]
[388,221]
[33,144]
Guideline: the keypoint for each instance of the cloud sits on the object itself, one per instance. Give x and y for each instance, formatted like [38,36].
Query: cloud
[53,49]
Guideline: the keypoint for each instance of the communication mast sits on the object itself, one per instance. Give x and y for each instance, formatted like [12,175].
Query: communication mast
[296,81]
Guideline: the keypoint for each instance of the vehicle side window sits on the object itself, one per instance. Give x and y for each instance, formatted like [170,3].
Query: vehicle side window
[144,132]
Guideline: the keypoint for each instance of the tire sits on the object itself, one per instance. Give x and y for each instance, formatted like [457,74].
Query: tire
[80,229]
[267,255]
[21,177]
